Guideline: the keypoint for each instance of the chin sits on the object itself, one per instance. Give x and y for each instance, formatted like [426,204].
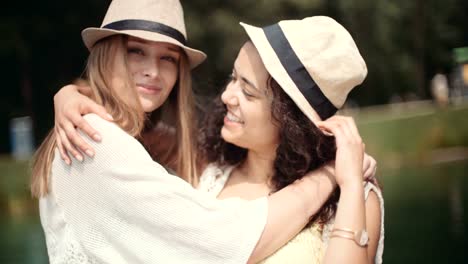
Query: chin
[149,106]
[149,109]
[229,137]
[223,133]
[226,135]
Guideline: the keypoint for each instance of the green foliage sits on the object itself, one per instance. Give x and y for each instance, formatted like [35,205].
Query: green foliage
[15,178]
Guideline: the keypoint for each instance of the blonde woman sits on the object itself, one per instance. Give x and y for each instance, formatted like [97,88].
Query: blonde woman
[122,207]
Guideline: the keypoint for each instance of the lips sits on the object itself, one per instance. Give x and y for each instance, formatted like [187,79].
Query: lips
[233,118]
[148,88]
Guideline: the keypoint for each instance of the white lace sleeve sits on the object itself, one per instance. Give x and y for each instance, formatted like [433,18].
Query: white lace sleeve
[380,247]
[214,178]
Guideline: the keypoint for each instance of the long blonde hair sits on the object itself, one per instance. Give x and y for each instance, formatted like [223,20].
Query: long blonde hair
[121,101]
[178,110]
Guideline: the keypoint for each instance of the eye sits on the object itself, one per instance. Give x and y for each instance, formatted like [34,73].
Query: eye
[136,51]
[169,59]
[247,94]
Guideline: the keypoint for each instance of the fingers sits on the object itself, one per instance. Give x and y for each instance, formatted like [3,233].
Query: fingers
[70,105]
[89,106]
[366,164]
[370,167]
[77,120]
[342,125]
[92,107]
[336,127]
[372,171]
[76,140]
[352,126]
[330,125]
[63,153]
[68,146]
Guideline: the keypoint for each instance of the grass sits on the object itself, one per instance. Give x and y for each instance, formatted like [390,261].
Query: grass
[410,136]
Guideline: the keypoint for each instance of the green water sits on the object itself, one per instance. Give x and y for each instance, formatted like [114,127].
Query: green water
[425,218]
[426,214]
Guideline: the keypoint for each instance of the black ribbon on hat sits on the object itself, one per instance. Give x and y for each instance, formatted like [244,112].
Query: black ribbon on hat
[146,25]
[298,73]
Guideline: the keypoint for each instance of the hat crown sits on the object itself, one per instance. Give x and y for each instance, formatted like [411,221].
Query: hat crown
[314,60]
[167,12]
[328,53]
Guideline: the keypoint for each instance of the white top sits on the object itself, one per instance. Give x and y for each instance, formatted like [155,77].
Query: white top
[122,207]
[213,180]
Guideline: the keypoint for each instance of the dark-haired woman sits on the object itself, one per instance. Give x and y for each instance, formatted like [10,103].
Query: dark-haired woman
[267,140]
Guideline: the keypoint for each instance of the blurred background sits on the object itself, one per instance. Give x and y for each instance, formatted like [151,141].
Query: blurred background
[412,109]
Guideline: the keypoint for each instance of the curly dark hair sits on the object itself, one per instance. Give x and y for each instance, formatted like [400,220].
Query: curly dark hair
[302,148]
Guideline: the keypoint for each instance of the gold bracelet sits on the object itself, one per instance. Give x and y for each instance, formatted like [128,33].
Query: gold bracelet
[360,237]
[344,230]
[342,236]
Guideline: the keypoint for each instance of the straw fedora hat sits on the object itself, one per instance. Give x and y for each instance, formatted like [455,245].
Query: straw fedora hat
[314,60]
[154,20]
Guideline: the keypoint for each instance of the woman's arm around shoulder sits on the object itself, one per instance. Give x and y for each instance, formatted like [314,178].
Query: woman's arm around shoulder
[124,207]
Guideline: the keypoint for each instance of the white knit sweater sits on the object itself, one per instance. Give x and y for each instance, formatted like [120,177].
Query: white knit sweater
[122,207]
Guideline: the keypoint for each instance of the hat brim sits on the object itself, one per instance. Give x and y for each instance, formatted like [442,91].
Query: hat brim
[92,35]
[277,71]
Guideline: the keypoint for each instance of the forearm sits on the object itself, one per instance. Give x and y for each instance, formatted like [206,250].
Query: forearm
[350,214]
[80,85]
[290,210]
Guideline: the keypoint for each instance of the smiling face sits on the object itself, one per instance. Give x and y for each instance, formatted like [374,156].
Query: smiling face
[248,122]
[154,67]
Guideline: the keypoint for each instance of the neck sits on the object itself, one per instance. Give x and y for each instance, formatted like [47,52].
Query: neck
[258,166]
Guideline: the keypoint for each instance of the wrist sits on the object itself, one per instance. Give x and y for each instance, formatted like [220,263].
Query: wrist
[64,91]
[71,88]
[352,185]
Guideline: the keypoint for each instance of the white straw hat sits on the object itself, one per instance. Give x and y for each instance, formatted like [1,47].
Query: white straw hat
[314,60]
[154,20]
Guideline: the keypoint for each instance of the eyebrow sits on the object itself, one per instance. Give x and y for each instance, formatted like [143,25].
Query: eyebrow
[176,49]
[142,41]
[246,80]
[137,40]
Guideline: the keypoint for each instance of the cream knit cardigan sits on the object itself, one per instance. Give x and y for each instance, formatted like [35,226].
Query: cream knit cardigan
[122,207]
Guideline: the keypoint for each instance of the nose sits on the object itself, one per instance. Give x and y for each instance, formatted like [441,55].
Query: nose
[229,96]
[151,68]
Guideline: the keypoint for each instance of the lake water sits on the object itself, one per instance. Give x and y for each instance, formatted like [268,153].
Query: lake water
[425,218]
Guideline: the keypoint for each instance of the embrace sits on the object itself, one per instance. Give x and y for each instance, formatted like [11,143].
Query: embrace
[269,175]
